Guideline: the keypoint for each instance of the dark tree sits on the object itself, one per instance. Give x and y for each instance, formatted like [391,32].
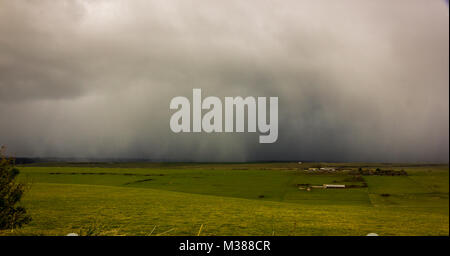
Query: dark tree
[11,215]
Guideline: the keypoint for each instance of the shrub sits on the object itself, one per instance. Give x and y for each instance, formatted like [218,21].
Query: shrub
[11,216]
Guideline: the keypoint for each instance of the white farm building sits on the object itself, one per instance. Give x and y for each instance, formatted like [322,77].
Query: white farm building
[333,186]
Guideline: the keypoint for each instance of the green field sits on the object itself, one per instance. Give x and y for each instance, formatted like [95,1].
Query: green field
[231,199]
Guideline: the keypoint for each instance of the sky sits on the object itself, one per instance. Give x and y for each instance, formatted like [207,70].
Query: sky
[357,80]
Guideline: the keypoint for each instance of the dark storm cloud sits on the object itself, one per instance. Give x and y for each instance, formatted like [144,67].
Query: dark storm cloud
[356,80]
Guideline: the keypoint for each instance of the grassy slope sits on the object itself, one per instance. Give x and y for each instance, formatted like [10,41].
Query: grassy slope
[225,199]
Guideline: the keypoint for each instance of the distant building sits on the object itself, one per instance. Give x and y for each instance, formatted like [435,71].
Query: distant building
[333,186]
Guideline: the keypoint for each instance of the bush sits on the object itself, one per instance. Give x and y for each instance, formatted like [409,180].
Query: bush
[11,216]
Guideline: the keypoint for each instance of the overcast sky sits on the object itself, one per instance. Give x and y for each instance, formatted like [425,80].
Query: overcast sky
[357,80]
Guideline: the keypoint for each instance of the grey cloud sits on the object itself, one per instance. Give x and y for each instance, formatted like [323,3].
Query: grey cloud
[357,80]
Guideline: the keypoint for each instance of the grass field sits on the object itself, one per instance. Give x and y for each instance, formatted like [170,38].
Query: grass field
[231,199]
